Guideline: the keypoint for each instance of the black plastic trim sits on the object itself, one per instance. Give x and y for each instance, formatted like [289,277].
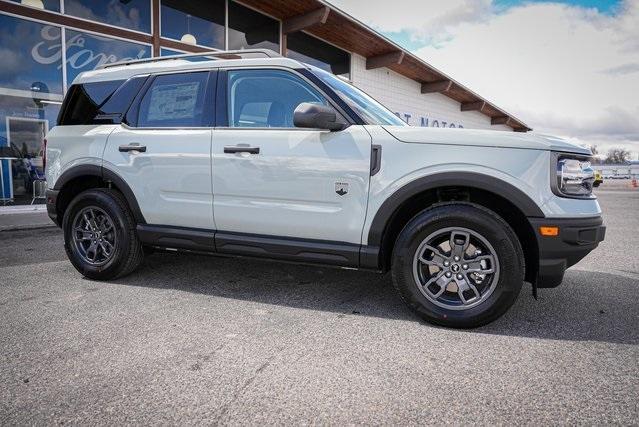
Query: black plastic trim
[288,249]
[376,159]
[106,175]
[577,238]
[52,205]
[448,179]
[109,175]
[177,237]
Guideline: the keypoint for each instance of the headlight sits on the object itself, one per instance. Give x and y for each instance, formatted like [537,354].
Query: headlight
[575,177]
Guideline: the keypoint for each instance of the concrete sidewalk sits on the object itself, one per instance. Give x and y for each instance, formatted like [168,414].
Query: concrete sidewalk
[24,217]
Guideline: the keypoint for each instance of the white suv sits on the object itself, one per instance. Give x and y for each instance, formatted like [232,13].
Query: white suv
[251,154]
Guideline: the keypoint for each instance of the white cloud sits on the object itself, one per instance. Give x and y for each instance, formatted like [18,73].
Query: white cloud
[562,69]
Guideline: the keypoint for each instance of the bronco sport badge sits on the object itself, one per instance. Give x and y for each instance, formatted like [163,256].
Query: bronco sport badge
[341,188]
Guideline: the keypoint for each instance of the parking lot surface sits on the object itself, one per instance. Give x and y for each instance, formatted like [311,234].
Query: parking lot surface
[196,339]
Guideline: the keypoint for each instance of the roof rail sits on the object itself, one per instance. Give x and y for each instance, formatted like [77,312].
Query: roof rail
[215,54]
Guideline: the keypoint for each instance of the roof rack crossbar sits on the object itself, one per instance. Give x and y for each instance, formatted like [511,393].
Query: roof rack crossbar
[218,54]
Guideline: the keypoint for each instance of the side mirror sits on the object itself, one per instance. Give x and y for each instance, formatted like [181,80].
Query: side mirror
[316,116]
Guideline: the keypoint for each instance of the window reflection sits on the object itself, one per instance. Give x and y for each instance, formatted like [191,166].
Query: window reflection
[53,5]
[130,14]
[199,23]
[250,29]
[31,57]
[88,51]
[314,51]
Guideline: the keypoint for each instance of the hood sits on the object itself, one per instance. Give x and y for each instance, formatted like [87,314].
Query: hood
[483,138]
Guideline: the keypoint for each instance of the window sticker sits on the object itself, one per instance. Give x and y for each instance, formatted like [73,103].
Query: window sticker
[174,101]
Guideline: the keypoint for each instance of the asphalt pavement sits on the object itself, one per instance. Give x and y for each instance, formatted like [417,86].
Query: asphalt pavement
[196,339]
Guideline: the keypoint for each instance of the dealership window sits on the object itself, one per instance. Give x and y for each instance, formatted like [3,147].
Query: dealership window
[87,51]
[251,29]
[30,94]
[129,14]
[175,100]
[267,98]
[199,23]
[53,5]
[314,51]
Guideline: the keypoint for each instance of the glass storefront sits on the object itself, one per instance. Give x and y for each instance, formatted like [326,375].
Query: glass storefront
[32,76]
[131,14]
[200,23]
[249,29]
[314,51]
[40,60]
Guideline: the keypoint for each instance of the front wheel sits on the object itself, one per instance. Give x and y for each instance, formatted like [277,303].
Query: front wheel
[100,235]
[458,265]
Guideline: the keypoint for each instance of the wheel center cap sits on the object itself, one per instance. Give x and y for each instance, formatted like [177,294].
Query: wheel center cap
[454,268]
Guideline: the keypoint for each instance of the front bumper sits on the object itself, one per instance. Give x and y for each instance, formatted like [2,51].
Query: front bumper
[52,205]
[577,237]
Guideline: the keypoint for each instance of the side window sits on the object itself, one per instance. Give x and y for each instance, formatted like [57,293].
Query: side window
[84,102]
[267,98]
[175,100]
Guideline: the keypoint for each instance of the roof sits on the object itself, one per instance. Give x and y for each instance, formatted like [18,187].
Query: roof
[323,20]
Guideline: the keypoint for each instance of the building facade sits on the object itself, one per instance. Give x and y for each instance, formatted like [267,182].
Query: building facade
[45,44]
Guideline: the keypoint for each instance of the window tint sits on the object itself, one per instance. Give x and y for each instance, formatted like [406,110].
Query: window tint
[175,100]
[84,102]
[267,98]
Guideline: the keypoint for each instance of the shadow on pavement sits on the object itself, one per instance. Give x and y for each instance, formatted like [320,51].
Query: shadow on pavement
[588,306]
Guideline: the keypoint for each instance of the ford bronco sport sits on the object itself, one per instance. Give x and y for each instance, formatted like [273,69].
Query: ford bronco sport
[251,154]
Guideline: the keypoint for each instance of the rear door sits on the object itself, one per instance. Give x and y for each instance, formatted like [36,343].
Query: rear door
[273,179]
[163,151]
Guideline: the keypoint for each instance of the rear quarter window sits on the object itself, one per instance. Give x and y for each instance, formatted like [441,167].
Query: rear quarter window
[98,102]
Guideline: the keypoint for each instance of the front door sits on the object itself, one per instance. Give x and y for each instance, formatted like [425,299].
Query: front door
[272,179]
[164,154]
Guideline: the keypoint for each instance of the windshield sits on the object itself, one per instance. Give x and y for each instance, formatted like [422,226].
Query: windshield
[368,109]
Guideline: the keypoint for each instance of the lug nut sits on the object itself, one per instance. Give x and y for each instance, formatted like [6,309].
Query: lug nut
[459,277]
[465,266]
[456,258]
[449,274]
[446,263]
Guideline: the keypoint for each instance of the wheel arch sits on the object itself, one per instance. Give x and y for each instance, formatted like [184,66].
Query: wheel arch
[503,198]
[83,177]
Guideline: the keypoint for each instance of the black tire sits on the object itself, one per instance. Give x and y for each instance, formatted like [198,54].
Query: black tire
[472,217]
[127,253]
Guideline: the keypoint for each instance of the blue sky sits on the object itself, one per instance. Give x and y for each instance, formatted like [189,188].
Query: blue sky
[603,6]
[608,7]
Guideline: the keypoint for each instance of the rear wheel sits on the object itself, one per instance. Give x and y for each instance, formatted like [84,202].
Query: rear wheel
[458,265]
[100,236]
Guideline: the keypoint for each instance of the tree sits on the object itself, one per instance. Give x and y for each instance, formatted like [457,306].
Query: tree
[617,156]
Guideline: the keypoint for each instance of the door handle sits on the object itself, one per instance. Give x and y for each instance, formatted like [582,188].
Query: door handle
[241,149]
[132,147]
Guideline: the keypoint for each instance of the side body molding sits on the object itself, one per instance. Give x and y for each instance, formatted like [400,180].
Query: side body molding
[448,179]
[106,175]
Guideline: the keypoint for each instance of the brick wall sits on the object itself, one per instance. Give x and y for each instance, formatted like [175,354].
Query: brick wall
[403,95]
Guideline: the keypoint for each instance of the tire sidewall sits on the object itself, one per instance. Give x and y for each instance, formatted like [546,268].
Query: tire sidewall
[104,201]
[480,220]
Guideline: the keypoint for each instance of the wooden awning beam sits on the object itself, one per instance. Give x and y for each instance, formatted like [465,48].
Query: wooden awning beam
[384,60]
[473,106]
[441,86]
[306,20]
[505,120]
